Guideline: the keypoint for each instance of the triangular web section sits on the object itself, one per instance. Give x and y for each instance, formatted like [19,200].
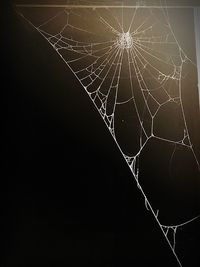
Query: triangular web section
[129,63]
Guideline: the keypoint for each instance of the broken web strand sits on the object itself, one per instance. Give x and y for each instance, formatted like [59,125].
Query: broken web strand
[134,44]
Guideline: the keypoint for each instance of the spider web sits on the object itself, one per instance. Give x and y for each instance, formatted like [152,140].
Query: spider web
[131,65]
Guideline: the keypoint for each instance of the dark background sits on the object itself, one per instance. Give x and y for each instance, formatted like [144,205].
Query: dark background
[67,196]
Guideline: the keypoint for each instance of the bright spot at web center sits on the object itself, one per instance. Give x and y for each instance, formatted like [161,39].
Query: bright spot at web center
[125,40]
